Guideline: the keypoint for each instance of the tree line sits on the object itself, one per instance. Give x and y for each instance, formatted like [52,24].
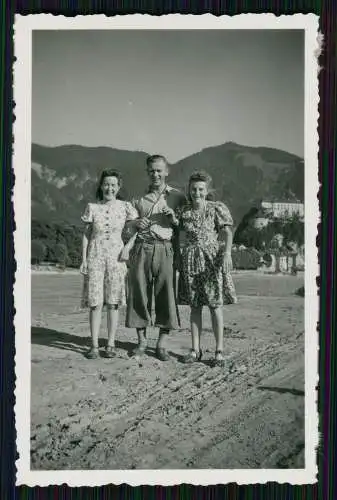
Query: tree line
[291,229]
[57,243]
[61,243]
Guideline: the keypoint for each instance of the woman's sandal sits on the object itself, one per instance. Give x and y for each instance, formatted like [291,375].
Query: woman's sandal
[110,351]
[192,357]
[219,359]
[93,353]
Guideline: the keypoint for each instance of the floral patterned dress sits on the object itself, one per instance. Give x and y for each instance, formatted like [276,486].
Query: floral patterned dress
[105,281]
[203,282]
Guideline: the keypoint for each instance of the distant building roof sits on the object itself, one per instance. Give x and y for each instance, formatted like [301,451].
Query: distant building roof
[282,200]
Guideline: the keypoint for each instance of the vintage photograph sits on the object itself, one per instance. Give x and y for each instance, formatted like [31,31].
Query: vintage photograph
[168,250]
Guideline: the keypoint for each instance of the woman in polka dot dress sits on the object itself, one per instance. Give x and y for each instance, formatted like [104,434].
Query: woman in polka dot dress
[206,263]
[102,243]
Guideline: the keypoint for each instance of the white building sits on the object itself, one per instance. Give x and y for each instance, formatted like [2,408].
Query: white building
[277,209]
[281,209]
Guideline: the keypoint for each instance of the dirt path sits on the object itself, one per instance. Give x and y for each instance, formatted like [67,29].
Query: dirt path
[124,414]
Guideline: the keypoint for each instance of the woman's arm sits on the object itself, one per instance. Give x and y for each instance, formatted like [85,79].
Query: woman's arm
[226,241]
[133,220]
[85,243]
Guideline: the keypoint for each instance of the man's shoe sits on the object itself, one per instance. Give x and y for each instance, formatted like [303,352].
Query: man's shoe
[162,354]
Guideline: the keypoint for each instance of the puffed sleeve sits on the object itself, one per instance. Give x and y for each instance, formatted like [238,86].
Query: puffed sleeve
[87,216]
[131,211]
[178,211]
[180,230]
[222,216]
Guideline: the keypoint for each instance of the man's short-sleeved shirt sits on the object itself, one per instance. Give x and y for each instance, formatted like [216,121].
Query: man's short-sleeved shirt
[161,227]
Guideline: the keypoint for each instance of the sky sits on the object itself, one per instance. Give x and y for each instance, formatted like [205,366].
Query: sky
[168,92]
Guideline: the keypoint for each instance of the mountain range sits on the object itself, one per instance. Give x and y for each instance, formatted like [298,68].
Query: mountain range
[64,178]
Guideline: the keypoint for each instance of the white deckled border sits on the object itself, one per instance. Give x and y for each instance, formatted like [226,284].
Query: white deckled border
[22,204]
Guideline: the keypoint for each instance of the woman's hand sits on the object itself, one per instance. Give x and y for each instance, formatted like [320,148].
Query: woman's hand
[84,267]
[143,223]
[227,262]
[169,212]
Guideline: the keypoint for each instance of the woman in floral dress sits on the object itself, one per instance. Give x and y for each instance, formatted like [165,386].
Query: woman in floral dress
[206,263]
[102,244]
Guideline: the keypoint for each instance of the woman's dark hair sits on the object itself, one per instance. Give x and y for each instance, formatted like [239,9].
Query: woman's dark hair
[108,172]
[201,176]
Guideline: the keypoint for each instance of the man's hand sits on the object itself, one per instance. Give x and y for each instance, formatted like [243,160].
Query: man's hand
[143,223]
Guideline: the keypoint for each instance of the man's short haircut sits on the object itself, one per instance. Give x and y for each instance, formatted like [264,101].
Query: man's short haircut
[153,158]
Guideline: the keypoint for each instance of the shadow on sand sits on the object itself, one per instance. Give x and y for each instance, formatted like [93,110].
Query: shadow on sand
[282,390]
[68,342]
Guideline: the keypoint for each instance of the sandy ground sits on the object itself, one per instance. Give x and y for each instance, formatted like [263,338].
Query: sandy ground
[125,414]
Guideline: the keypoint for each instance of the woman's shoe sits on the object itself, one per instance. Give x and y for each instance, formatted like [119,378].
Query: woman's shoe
[93,353]
[219,359]
[192,357]
[110,351]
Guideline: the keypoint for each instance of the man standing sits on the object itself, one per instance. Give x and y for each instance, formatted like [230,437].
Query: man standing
[151,269]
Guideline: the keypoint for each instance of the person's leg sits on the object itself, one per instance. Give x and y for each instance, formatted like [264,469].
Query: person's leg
[165,297]
[166,310]
[139,305]
[138,312]
[196,328]
[142,341]
[95,324]
[161,351]
[96,273]
[112,323]
[217,324]
[114,296]
[163,333]
[95,316]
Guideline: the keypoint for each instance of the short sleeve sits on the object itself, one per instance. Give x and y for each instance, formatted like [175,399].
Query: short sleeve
[131,211]
[135,204]
[179,213]
[222,216]
[87,216]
